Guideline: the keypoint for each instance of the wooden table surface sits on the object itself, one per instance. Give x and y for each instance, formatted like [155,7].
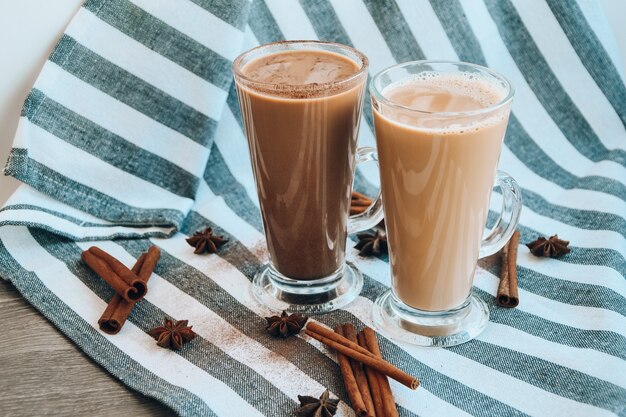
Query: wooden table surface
[43,373]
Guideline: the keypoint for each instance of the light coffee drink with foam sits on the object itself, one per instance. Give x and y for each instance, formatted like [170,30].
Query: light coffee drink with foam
[439,130]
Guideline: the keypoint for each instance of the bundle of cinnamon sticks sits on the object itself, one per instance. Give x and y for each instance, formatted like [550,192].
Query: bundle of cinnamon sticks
[363,369]
[130,285]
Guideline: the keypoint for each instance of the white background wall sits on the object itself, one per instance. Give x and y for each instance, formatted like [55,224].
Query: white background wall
[29,30]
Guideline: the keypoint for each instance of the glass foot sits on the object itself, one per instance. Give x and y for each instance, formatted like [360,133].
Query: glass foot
[278,292]
[396,320]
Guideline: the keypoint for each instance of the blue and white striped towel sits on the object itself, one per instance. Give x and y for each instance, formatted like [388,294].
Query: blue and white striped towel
[132,131]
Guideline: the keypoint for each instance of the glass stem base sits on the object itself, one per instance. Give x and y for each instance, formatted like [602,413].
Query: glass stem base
[274,290]
[401,322]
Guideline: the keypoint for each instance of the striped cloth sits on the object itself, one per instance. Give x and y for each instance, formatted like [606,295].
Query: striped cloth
[137,99]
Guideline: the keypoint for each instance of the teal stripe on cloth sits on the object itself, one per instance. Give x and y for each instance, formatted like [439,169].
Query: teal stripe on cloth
[591,52]
[263,24]
[107,146]
[131,90]
[233,12]
[395,30]
[251,386]
[95,344]
[84,198]
[162,38]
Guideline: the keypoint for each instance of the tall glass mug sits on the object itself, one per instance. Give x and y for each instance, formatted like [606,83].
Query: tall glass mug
[301,103]
[439,130]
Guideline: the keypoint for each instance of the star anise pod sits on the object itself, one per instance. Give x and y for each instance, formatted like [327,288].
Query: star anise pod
[313,407]
[552,247]
[285,325]
[206,241]
[372,244]
[173,335]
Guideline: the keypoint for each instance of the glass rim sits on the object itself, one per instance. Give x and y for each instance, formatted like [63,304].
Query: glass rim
[364,65]
[510,91]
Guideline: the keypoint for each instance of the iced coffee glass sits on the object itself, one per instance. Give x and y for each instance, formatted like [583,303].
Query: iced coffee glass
[439,131]
[301,104]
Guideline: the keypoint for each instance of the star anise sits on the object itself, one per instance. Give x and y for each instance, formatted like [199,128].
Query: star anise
[372,244]
[285,325]
[552,247]
[173,335]
[206,241]
[313,407]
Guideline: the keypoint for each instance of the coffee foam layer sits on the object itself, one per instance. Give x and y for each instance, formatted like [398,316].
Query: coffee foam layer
[474,91]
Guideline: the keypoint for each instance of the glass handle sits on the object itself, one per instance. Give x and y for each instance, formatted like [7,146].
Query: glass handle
[506,224]
[374,213]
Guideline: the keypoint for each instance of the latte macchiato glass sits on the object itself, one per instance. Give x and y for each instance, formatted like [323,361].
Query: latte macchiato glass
[439,131]
[301,104]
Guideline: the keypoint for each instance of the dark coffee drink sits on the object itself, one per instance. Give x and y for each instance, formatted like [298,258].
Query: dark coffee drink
[301,112]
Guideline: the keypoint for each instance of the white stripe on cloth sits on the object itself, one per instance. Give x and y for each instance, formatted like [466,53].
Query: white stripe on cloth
[591,362]
[135,343]
[576,316]
[527,107]
[584,238]
[44,147]
[575,198]
[570,71]
[231,280]
[487,380]
[427,29]
[118,118]
[197,23]
[25,194]
[144,63]
[174,302]
[76,231]
[580,273]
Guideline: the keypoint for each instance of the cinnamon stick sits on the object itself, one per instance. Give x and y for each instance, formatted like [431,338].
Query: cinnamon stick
[329,334]
[125,282]
[349,380]
[389,404]
[507,290]
[372,381]
[345,347]
[359,374]
[118,309]
[359,203]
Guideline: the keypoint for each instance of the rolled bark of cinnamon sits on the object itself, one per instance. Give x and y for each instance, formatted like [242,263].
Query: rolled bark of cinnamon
[349,380]
[125,282]
[118,309]
[507,290]
[329,334]
[372,381]
[359,374]
[389,404]
[346,347]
